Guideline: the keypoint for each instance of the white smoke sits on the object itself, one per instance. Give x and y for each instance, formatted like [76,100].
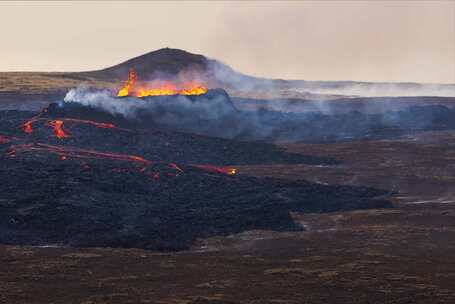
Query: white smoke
[104,100]
[177,111]
[380,90]
[232,79]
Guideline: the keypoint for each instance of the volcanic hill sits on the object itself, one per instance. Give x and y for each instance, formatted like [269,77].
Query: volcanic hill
[164,61]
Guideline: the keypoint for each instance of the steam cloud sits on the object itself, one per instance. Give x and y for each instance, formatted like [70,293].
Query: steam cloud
[214,114]
[238,81]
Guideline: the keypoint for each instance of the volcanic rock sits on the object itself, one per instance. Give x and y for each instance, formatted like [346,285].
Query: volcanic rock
[104,185]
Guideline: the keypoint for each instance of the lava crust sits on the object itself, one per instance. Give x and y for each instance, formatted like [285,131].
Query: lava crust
[83,182]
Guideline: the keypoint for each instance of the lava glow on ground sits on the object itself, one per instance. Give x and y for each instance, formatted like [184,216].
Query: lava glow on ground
[60,127]
[162,88]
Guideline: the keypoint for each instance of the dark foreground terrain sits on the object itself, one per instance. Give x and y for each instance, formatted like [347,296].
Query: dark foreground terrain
[68,181]
[398,255]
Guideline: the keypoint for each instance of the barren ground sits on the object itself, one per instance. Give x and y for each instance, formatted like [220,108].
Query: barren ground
[399,255]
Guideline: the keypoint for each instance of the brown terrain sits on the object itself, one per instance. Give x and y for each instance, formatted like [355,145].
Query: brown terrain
[398,255]
[404,254]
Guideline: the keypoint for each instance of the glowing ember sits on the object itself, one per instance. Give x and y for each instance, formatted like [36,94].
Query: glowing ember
[4,140]
[27,127]
[58,128]
[216,169]
[164,88]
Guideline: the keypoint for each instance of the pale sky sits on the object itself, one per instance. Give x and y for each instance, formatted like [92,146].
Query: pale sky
[326,40]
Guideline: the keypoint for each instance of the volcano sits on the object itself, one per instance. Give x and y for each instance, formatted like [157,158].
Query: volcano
[164,61]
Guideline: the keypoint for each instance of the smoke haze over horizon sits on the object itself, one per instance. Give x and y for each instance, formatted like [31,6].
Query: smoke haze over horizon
[384,41]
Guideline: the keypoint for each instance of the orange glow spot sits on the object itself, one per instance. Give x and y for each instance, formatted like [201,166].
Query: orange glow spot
[138,158]
[216,169]
[58,129]
[27,127]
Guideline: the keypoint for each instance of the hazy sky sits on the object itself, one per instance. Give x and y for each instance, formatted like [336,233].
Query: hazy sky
[326,40]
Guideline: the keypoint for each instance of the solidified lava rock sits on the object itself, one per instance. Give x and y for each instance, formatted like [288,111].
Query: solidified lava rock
[87,182]
[46,200]
[104,185]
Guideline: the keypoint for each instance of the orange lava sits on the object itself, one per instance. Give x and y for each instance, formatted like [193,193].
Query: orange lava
[77,152]
[28,127]
[58,128]
[216,169]
[129,84]
[163,88]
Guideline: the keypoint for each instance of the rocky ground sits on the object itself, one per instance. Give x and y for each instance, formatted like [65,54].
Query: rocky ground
[398,255]
[76,182]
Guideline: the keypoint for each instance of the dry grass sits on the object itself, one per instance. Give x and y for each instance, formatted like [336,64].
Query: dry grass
[42,82]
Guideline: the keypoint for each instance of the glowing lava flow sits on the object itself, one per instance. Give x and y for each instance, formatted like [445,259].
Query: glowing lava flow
[216,169]
[170,89]
[164,88]
[65,152]
[101,125]
[77,152]
[57,125]
[58,128]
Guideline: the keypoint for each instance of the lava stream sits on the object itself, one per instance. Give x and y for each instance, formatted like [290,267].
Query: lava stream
[102,125]
[65,152]
[216,169]
[77,152]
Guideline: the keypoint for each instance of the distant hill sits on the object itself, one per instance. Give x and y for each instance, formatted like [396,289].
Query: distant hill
[163,61]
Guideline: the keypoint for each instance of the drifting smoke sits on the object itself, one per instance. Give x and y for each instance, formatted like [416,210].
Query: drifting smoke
[104,100]
[210,113]
[214,114]
[237,81]
[379,89]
